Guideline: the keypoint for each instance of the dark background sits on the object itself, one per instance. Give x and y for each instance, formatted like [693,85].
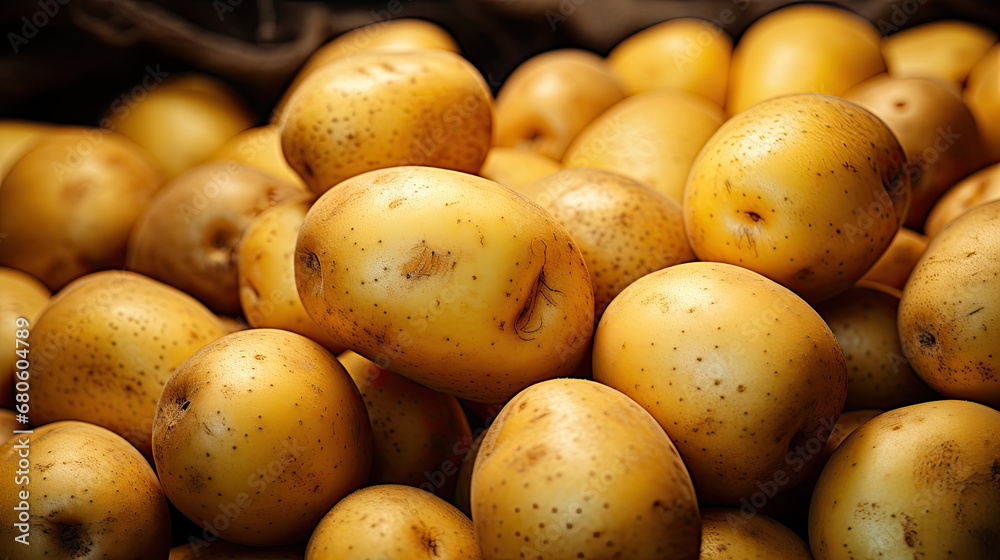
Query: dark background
[90,51]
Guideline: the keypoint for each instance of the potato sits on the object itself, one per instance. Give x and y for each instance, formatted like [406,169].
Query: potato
[9,423]
[260,148]
[16,138]
[222,550]
[943,50]
[683,54]
[982,95]
[105,346]
[937,131]
[625,230]
[799,49]
[67,207]
[417,433]
[189,234]
[725,536]
[574,469]
[516,167]
[80,491]
[807,190]
[265,263]
[864,321]
[449,279]
[898,260]
[949,315]
[181,120]
[651,137]
[742,374]
[979,188]
[20,296]
[549,98]
[393,521]
[916,482]
[311,444]
[381,109]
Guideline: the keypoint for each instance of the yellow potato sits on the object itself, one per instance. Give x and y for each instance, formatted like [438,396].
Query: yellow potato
[20,296]
[260,148]
[105,346]
[982,95]
[807,190]
[805,48]
[551,97]
[744,376]
[189,234]
[265,260]
[944,50]
[726,536]
[573,469]
[82,492]
[381,109]
[651,137]
[898,260]
[936,130]
[393,521]
[916,482]
[979,188]
[222,550]
[683,54]
[16,138]
[181,120]
[449,279]
[878,376]
[949,315]
[67,207]
[258,435]
[625,230]
[9,423]
[516,167]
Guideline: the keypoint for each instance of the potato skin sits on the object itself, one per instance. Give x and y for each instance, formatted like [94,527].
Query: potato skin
[725,535]
[943,50]
[982,95]
[516,167]
[915,482]
[21,295]
[91,495]
[975,190]
[898,260]
[393,521]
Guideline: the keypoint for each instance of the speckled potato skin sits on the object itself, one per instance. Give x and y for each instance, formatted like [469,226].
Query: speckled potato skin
[949,315]
[381,109]
[418,433]
[105,346]
[975,190]
[393,521]
[90,495]
[944,50]
[189,233]
[265,263]
[878,376]
[898,260]
[726,535]
[449,279]
[572,467]
[625,230]
[516,167]
[264,428]
[652,137]
[21,295]
[915,482]
[740,372]
[549,98]
[807,190]
[201,549]
[67,206]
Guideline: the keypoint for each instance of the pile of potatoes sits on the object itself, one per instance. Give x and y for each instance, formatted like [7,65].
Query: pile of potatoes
[688,300]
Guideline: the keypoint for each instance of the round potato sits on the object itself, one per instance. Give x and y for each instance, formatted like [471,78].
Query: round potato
[549,98]
[943,50]
[67,206]
[977,189]
[651,137]
[380,109]
[393,521]
[260,148]
[725,535]
[449,279]
[743,375]
[807,190]
[82,492]
[683,54]
[105,346]
[982,95]
[16,138]
[189,234]
[949,315]
[258,434]
[573,469]
[21,295]
[898,260]
[916,482]
[516,167]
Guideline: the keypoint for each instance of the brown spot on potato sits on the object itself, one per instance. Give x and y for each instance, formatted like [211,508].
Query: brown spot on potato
[425,262]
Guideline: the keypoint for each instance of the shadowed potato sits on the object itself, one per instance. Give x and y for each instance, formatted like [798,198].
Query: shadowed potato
[982,95]
[726,535]
[898,260]
[221,550]
[16,138]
